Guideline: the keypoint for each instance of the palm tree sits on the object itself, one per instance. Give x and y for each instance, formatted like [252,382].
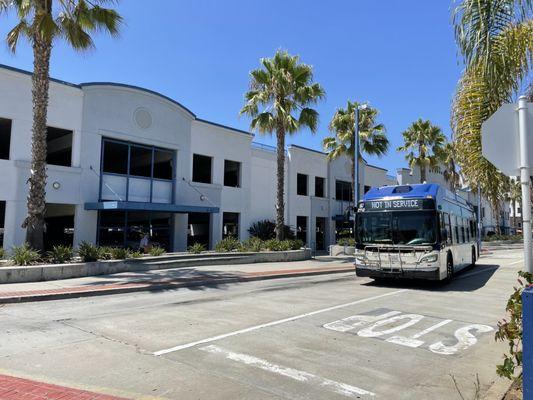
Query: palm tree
[372,137]
[424,143]
[515,196]
[42,22]
[281,93]
[495,42]
[451,175]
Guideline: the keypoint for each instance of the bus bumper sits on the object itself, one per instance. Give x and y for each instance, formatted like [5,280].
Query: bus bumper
[432,274]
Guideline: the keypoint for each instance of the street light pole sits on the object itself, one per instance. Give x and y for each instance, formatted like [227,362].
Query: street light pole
[356,164]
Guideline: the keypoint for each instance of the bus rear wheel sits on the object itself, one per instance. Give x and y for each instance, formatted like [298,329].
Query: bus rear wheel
[449,270]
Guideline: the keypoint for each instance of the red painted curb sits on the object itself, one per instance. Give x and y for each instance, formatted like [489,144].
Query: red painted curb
[101,290]
[19,388]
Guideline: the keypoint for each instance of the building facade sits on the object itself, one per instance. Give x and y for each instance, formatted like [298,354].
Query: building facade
[124,161]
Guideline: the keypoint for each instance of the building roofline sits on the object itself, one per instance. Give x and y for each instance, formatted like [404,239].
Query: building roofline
[375,166]
[28,73]
[149,91]
[224,126]
[308,149]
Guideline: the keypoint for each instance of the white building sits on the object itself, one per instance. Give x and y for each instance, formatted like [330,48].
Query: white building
[124,160]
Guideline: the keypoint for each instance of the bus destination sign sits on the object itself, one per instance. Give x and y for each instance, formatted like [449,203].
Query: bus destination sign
[398,204]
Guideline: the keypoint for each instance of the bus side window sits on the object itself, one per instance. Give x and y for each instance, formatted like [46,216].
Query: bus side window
[467,225]
[455,229]
[446,227]
[462,230]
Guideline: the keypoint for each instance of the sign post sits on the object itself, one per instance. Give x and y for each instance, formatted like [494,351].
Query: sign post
[506,144]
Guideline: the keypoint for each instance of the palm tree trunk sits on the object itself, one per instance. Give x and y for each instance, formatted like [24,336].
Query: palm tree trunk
[36,201]
[280,201]
[422,156]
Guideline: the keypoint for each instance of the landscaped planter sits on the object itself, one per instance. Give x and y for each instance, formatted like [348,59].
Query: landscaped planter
[49,272]
[337,250]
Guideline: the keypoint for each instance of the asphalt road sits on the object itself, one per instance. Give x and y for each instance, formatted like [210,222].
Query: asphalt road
[326,337]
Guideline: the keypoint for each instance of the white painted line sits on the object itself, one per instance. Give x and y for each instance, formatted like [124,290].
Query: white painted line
[516,262]
[476,273]
[273,323]
[431,328]
[300,376]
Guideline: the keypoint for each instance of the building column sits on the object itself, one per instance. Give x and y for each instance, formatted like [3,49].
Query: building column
[215,235]
[76,148]
[85,225]
[14,234]
[180,226]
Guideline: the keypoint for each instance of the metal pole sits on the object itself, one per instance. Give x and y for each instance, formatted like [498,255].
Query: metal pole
[479,222]
[524,180]
[356,167]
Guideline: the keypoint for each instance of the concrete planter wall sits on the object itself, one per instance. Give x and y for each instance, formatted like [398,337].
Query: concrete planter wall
[336,250]
[36,273]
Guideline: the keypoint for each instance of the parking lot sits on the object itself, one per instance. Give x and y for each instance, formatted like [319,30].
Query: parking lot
[335,337]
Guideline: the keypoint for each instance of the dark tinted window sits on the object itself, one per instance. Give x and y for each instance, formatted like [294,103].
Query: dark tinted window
[343,191]
[301,228]
[115,157]
[319,186]
[163,161]
[230,225]
[141,161]
[5,138]
[58,146]
[301,182]
[201,168]
[2,221]
[232,173]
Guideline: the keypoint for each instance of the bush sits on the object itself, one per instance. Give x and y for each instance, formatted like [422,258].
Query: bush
[60,254]
[228,244]
[136,254]
[157,251]
[266,230]
[492,238]
[2,253]
[253,244]
[279,245]
[511,330]
[196,248]
[105,253]
[346,242]
[119,253]
[24,255]
[297,244]
[89,252]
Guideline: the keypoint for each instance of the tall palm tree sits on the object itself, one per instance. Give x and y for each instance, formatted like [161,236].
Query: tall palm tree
[281,93]
[424,143]
[42,22]
[495,40]
[448,159]
[372,135]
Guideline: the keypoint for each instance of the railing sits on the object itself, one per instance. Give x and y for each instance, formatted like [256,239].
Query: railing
[265,147]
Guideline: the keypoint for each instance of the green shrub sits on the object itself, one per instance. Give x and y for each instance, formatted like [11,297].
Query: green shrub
[253,244]
[510,330]
[60,254]
[24,255]
[119,253]
[228,244]
[297,244]
[136,254]
[157,251]
[105,253]
[266,230]
[2,253]
[346,242]
[196,248]
[493,238]
[89,252]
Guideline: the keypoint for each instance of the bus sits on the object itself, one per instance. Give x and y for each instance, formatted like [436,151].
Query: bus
[421,231]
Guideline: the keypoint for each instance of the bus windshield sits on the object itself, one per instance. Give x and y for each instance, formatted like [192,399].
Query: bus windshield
[397,227]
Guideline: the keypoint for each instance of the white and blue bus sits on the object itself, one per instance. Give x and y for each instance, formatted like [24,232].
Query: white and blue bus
[414,231]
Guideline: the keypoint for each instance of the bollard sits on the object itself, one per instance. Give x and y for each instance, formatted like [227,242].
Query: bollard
[527,342]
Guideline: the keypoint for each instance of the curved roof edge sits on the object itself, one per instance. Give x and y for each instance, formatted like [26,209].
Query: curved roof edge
[149,91]
[224,126]
[24,72]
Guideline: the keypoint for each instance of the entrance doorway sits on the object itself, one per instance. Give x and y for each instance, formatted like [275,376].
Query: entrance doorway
[59,225]
[198,228]
[320,235]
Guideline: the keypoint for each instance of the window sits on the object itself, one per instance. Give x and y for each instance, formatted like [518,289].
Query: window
[201,168]
[230,225]
[141,161]
[367,188]
[232,173]
[301,228]
[319,186]
[343,191]
[2,221]
[115,157]
[58,146]
[5,138]
[445,225]
[163,164]
[301,184]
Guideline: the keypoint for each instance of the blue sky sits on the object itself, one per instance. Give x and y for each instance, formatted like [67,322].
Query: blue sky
[399,55]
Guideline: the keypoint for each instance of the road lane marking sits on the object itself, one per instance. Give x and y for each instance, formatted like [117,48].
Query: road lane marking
[516,262]
[273,323]
[485,270]
[464,337]
[413,340]
[300,376]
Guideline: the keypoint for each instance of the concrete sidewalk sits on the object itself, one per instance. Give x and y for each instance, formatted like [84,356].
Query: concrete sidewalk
[169,279]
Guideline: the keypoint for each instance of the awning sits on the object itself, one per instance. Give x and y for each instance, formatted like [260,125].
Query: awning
[139,206]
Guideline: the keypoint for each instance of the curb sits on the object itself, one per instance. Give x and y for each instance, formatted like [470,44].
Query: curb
[498,389]
[159,286]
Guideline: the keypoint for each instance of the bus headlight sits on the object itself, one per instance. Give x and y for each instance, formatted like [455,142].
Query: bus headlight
[429,258]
